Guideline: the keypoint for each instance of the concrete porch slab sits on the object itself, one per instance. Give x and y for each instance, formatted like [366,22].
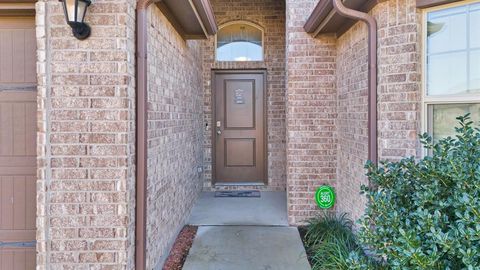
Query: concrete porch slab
[247,247]
[268,210]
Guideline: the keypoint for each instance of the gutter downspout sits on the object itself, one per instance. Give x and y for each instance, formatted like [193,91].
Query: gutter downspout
[372,73]
[141,134]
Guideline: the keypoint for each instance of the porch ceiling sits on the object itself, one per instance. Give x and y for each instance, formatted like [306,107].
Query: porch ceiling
[193,19]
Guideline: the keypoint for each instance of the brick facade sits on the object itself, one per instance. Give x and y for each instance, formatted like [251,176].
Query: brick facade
[270,15]
[327,103]
[311,112]
[352,119]
[316,118]
[399,96]
[175,133]
[399,84]
[86,97]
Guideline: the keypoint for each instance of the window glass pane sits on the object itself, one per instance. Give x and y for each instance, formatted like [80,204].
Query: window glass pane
[475,72]
[239,42]
[447,30]
[447,73]
[474,27]
[453,47]
[443,118]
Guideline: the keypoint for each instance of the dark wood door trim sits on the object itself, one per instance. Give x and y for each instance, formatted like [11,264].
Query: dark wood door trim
[216,72]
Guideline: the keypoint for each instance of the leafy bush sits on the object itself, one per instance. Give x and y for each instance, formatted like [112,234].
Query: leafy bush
[426,214]
[331,244]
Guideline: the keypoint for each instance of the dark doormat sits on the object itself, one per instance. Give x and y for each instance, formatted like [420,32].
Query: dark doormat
[238,194]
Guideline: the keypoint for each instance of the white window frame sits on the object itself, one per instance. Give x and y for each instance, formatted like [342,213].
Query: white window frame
[240,22]
[439,99]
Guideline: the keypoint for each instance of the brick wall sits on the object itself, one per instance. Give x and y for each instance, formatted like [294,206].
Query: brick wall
[175,133]
[85,191]
[311,112]
[399,97]
[352,120]
[399,83]
[86,97]
[270,15]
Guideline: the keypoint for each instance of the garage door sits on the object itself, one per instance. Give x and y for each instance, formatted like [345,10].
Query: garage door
[17,143]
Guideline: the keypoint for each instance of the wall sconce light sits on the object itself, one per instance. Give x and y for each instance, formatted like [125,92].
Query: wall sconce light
[75,11]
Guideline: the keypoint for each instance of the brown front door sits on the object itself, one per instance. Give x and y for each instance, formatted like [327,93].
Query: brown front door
[239,127]
[18,118]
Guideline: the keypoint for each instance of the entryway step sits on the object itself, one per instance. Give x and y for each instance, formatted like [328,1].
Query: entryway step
[237,194]
[268,210]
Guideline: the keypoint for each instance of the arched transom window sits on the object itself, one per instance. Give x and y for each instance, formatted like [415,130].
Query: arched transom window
[239,41]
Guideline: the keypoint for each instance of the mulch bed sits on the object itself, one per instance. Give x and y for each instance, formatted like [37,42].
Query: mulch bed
[180,249]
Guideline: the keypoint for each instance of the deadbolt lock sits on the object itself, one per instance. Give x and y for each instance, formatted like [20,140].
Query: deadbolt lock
[219,125]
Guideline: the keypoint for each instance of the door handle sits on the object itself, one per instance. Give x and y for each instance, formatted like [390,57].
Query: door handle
[219,125]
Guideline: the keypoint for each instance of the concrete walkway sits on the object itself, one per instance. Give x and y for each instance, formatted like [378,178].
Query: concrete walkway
[245,234]
[247,248]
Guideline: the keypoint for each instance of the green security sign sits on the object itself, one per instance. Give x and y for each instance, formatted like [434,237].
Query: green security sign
[325,197]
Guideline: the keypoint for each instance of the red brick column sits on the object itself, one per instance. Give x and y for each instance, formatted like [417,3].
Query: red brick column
[85,213]
[311,112]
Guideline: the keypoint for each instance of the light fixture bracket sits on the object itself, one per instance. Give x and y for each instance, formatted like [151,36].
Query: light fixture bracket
[80,30]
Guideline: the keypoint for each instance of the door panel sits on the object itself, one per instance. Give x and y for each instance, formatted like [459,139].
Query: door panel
[239,104]
[239,127]
[18,114]
[17,258]
[17,50]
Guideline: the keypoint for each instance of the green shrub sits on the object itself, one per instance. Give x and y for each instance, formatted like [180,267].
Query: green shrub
[426,214]
[331,244]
